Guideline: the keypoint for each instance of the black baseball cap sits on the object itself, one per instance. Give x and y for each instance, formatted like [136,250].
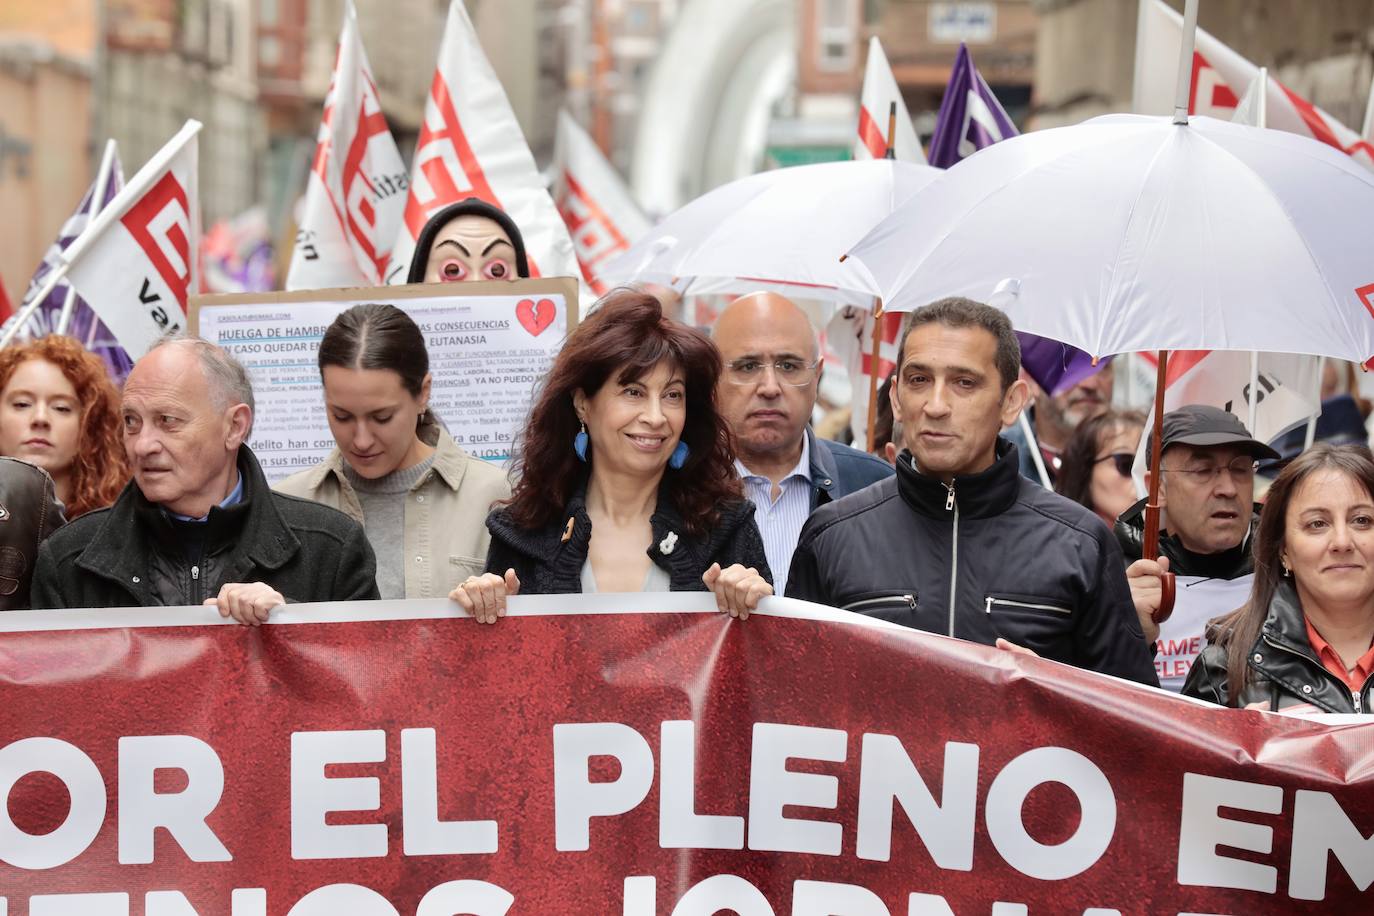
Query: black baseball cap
[1204,425]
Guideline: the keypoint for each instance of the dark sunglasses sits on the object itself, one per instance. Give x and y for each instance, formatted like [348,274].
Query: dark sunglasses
[1124,461]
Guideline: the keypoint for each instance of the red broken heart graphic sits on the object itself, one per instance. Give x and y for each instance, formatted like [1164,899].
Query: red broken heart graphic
[535,316]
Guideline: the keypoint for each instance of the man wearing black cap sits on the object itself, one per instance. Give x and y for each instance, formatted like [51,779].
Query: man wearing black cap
[1207,492]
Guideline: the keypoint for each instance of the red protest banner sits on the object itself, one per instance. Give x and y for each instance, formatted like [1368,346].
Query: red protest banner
[383,758]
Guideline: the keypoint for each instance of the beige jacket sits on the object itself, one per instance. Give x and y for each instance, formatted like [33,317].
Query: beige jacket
[446,512]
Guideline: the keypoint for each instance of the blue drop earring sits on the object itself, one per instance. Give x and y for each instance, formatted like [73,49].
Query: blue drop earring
[679,456]
[580,443]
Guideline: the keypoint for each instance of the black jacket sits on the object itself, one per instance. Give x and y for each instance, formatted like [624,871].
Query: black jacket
[132,554]
[995,555]
[549,560]
[1229,564]
[29,513]
[838,470]
[1284,668]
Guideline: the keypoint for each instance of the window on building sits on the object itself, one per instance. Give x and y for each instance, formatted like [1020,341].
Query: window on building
[836,38]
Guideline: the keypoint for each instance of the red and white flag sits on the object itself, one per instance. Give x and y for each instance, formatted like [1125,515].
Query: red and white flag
[849,336]
[357,183]
[1220,75]
[135,263]
[592,198]
[879,92]
[471,146]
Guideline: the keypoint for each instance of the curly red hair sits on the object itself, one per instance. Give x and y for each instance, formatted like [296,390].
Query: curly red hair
[623,340]
[99,468]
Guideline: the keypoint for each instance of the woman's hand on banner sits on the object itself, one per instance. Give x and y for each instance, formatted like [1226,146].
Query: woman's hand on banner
[484,596]
[249,603]
[1007,645]
[738,589]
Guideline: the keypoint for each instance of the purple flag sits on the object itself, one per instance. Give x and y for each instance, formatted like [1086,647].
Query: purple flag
[970,116]
[970,119]
[84,325]
[1056,367]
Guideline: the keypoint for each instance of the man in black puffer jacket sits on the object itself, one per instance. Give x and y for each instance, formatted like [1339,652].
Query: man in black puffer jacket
[958,542]
[198,523]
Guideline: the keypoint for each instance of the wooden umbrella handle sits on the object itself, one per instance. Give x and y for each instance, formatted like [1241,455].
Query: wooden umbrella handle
[1167,586]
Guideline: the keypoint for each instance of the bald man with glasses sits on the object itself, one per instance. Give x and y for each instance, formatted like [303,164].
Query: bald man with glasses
[767,393]
[1207,491]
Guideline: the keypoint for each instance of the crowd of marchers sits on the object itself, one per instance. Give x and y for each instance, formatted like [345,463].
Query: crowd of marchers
[659,457]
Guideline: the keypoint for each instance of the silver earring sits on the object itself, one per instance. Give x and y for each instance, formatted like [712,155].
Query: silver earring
[1286,571]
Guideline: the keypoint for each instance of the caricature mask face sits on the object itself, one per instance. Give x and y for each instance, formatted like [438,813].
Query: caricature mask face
[470,248]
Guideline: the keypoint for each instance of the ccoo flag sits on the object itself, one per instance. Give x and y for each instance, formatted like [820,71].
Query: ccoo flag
[879,92]
[357,183]
[84,325]
[1220,75]
[471,146]
[597,208]
[135,263]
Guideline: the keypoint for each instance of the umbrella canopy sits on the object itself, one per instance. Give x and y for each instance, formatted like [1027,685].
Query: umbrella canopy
[1131,233]
[784,229]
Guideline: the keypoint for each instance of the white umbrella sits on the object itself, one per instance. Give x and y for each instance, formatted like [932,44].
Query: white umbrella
[1131,233]
[784,229]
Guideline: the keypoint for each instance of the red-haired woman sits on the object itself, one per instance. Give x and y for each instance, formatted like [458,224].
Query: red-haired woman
[60,411]
[627,479]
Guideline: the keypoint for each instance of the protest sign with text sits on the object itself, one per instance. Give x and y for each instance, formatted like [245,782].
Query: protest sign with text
[489,344]
[640,755]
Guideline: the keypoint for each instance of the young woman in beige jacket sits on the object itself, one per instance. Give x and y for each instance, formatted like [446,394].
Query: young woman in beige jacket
[422,500]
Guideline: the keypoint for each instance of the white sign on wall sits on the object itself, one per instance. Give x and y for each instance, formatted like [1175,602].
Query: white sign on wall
[972,22]
[489,345]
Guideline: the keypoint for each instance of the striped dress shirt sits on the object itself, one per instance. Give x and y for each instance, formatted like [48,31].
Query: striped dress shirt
[780,520]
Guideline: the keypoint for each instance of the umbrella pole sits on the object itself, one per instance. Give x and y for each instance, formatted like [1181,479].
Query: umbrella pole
[1149,548]
[873,374]
[1184,87]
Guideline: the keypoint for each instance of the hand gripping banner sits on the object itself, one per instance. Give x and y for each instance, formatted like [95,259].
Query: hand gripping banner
[639,755]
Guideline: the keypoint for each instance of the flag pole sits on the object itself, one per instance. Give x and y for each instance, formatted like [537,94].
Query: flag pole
[102,184]
[1185,63]
[878,305]
[1367,131]
[1253,399]
[1036,458]
[1311,435]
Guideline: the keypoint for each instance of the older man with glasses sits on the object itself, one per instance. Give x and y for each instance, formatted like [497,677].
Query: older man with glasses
[1207,490]
[767,393]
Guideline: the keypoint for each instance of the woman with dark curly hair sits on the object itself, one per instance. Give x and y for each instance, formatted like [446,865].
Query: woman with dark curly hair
[627,479]
[60,411]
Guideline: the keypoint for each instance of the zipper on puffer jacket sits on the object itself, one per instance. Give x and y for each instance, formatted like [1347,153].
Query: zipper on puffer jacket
[1010,602]
[881,599]
[951,505]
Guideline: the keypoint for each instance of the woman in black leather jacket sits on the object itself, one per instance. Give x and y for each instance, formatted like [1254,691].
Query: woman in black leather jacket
[627,480]
[1303,640]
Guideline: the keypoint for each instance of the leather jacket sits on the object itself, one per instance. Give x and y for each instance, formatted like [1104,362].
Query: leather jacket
[1283,667]
[993,555]
[29,512]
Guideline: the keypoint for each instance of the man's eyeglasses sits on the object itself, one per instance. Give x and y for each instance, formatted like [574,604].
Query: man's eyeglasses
[787,371]
[1242,471]
[1123,461]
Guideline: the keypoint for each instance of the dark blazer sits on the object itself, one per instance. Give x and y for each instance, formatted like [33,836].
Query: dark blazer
[132,555]
[549,560]
[838,470]
[29,513]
